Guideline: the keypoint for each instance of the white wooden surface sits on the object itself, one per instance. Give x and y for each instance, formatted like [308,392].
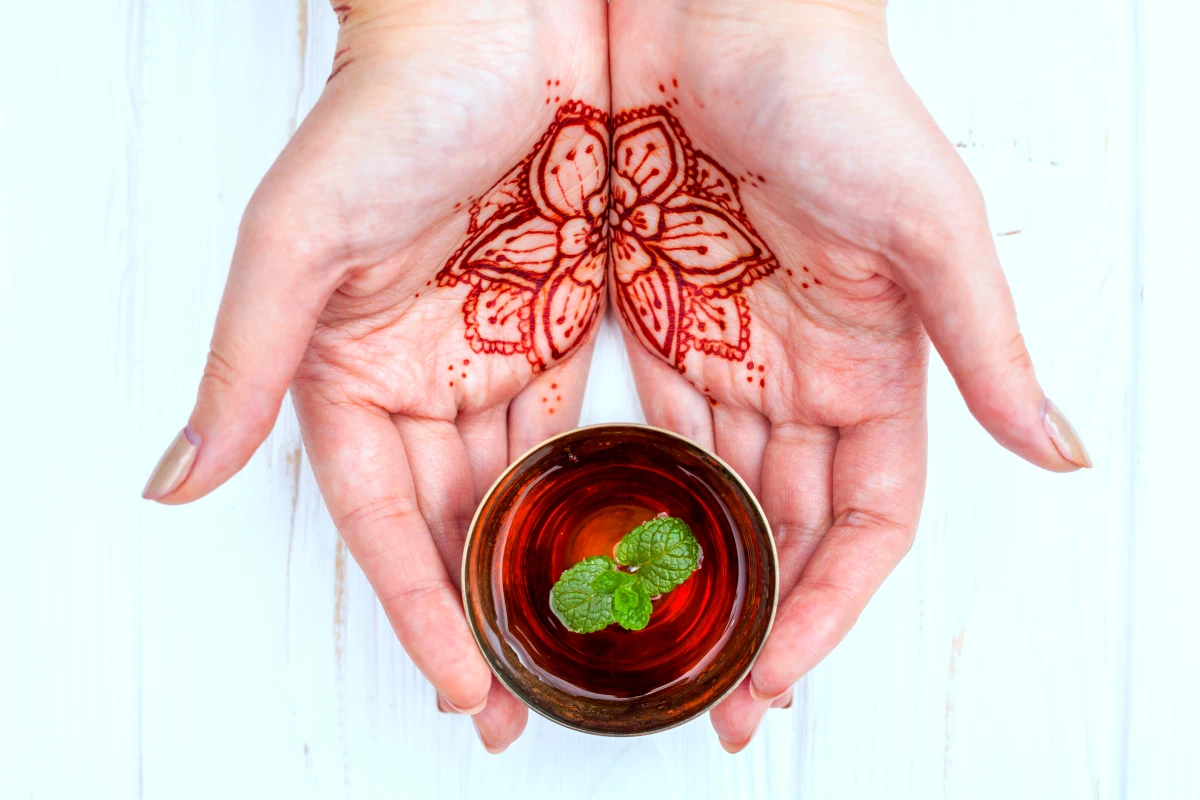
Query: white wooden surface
[1039,642]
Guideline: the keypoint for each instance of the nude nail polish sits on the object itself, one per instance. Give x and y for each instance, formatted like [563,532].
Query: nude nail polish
[762,698]
[493,750]
[733,749]
[1065,439]
[174,466]
[472,711]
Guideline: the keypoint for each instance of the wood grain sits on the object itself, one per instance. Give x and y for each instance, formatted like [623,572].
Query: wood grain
[1039,641]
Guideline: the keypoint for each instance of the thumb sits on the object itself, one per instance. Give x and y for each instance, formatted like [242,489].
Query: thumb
[952,273]
[267,315]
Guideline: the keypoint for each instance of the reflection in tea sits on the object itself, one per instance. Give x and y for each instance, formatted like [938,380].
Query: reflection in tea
[576,510]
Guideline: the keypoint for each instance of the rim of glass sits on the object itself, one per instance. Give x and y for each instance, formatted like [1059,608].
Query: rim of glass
[499,671]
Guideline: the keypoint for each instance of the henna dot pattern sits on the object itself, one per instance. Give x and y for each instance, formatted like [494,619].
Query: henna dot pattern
[684,250]
[536,245]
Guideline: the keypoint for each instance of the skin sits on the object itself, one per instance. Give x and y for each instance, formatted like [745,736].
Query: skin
[860,190]
[334,291]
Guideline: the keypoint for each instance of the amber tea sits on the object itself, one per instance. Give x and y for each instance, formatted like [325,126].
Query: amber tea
[575,497]
[574,513]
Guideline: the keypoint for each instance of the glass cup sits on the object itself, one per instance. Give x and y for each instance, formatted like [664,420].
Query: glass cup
[574,496]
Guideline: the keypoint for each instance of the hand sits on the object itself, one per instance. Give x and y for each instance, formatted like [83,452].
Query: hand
[788,223]
[424,264]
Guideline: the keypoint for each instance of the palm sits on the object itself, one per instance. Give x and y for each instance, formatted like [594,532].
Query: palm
[457,329]
[391,175]
[797,354]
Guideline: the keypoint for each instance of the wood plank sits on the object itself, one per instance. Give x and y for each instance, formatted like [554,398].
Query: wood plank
[69,102]
[234,649]
[1163,700]
[988,666]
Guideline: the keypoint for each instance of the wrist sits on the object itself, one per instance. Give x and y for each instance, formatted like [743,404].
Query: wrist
[868,16]
[360,12]
[381,27]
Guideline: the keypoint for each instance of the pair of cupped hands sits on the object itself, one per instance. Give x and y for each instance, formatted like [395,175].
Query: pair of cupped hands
[754,189]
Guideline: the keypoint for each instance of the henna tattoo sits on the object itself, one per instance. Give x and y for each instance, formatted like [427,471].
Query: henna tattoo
[466,362]
[683,248]
[537,243]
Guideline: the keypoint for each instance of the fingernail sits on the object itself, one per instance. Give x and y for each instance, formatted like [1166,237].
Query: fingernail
[783,701]
[472,711]
[174,466]
[733,749]
[1065,439]
[763,698]
[493,750]
[443,706]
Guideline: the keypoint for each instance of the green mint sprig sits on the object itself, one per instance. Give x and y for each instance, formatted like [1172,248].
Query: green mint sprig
[657,556]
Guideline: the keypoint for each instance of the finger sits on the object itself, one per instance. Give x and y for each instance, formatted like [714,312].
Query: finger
[878,483]
[550,404]
[501,721]
[797,491]
[268,312]
[784,700]
[443,487]
[363,471]
[952,273]
[797,479]
[736,718]
[741,435]
[485,436]
[668,399]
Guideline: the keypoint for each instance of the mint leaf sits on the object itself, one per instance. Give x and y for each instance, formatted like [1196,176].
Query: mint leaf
[608,582]
[631,605]
[579,606]
[663,551]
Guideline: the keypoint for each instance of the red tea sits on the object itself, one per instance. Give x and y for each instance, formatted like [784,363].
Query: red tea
[581,507]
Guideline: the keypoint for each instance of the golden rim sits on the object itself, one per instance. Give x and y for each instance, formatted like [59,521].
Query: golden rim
[774,558]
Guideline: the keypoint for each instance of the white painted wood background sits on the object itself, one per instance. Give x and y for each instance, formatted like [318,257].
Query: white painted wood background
[1039,642]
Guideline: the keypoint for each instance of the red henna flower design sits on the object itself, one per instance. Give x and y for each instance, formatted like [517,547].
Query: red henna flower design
[537,245]
[683,248]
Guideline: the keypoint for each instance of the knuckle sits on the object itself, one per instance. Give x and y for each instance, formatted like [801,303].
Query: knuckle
[450,531]
[226,386]
[366,519]
[417,593]
[220,370]
[1014,355]
[889,538]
